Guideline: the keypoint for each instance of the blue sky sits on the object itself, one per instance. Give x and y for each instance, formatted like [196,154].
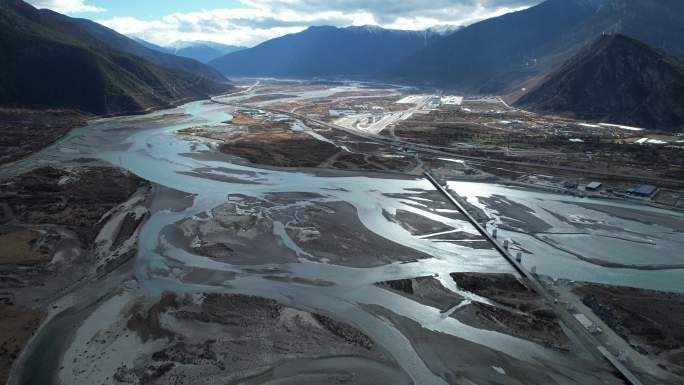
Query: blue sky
[152,9]
[249,22]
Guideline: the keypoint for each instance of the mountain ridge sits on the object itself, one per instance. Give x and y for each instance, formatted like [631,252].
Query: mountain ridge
[98,35]
[203,51]
[326,51]
[48,64]
[617,79]
[479,57]
[499,54]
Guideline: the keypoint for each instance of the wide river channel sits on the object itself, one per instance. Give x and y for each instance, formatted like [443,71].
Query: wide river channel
[149,147]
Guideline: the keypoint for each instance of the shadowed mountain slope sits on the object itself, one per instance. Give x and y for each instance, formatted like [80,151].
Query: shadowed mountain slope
[96,34]
[326,51]
[50,63]
[499,54]
[618,80]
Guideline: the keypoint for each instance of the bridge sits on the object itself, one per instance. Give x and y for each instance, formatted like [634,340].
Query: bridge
[588,341]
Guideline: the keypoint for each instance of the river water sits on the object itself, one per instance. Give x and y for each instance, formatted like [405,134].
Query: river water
[148,147]
[647,240]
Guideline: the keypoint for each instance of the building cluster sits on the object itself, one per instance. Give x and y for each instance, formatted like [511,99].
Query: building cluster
[641,191]
[573,186]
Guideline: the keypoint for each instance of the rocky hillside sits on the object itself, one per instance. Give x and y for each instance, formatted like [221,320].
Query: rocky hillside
[618,80]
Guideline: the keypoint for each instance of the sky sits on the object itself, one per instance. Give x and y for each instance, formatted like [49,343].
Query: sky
[249,22]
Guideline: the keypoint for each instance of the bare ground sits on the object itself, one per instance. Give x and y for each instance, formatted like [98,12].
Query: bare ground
[223,338]
[513,308]
[518,310]
[17,323]
[652,322]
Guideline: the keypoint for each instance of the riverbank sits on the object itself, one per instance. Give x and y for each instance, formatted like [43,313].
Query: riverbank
[24,132]
[60,228]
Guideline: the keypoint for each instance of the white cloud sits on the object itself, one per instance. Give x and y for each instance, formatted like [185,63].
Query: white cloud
[66,6]
[170,29]
[259,20]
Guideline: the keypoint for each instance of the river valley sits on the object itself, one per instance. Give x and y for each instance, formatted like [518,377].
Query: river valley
[246,273]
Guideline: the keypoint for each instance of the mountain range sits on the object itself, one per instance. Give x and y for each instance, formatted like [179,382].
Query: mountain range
[53,61]
[496,55]
[617,79]
[365,51]
[203,51]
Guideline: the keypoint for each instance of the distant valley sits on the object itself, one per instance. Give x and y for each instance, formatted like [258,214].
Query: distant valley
[496,55]
[539,58]
[505,55]
[203,51]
